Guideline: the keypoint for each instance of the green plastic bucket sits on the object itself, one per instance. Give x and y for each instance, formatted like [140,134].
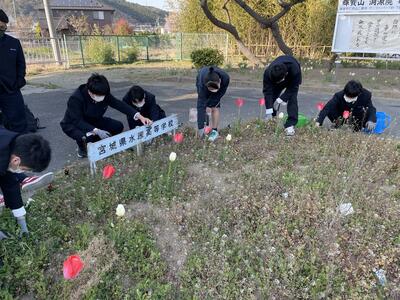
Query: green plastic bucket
[303,120]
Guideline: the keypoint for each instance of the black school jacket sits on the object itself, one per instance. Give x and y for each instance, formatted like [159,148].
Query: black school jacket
[8,183]
[204,95]
[149,110]
[12,65]
[292,80]
[339,105]
[81,109]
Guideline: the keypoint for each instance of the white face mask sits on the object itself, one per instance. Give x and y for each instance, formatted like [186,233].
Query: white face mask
[350,100]
[139,104]
[96,98]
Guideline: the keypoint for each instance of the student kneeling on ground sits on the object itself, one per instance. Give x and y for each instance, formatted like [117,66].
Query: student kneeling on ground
[355,99]
[145,103]
[19,153]
[84,119]
[282,75]
[211,84]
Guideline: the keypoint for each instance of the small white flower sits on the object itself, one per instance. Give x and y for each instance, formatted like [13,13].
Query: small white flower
[172,156]
[229,137]
[120,211]
[281,115]
[285,195]
[30,200]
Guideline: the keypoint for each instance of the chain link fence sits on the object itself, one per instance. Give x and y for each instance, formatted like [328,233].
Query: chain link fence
[81,50]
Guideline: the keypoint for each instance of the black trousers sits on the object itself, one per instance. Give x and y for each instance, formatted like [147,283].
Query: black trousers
[357,120]
[11,189]
[13,108]
[292,106]
[112,126]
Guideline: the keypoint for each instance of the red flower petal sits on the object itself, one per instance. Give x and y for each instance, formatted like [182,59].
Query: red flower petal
[239,102]
[73,265]
[178,137]
[261,102]
[108,171]
[346,114]
[320,106]
[207,129]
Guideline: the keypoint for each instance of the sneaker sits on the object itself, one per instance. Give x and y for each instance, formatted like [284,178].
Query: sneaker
[213,136]
[2,203]
[290,131]
[36,182]
[81,153]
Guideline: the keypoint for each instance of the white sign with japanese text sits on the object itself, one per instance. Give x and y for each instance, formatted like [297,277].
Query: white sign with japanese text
[125,140]
[368,6]
[367,26]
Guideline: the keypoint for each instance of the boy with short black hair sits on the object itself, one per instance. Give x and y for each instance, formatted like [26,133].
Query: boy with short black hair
[145,103]
[355,99]
[84,119]
[282,75]
[19,153]
[212,84]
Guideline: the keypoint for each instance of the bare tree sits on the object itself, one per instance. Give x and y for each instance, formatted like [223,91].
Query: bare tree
[265,23]
[79,24]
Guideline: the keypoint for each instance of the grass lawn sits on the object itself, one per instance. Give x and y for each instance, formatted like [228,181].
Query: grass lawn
[253,218]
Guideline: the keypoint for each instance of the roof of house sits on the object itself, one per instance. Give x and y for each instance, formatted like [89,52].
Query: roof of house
[78,5]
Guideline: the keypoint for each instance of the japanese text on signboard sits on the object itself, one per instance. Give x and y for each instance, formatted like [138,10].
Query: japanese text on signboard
[128,139]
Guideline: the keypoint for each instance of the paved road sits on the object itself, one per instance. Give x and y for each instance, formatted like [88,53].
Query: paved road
[50,106]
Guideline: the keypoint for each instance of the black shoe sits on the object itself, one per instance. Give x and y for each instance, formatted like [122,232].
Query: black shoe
[81,153]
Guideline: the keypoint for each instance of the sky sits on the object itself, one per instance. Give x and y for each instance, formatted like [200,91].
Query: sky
[156,3]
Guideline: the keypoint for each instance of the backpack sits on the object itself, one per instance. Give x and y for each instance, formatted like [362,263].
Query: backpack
[33,123]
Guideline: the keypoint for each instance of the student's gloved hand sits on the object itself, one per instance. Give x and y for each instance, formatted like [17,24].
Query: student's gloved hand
[101,133]
[278,102]
[370,125]
[268,117]
[145,121]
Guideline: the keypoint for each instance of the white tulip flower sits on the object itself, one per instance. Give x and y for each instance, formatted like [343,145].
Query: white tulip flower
[120,211]
[172,157]
[281,115]
[229,137]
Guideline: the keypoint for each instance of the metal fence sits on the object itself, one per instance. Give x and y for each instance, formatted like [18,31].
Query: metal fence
[89,49]
[40,51]
[83,50]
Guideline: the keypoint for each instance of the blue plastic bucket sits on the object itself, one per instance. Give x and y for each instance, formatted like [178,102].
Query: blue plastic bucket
[382,122]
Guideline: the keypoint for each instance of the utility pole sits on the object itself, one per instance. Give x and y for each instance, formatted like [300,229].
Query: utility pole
[15,12]
[50,24]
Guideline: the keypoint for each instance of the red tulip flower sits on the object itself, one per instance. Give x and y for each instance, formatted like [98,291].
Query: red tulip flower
[207,129]
[73,265]
[239,102]
[346,114]
[320,106]
[261,102]
[108,171]
[178,137]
